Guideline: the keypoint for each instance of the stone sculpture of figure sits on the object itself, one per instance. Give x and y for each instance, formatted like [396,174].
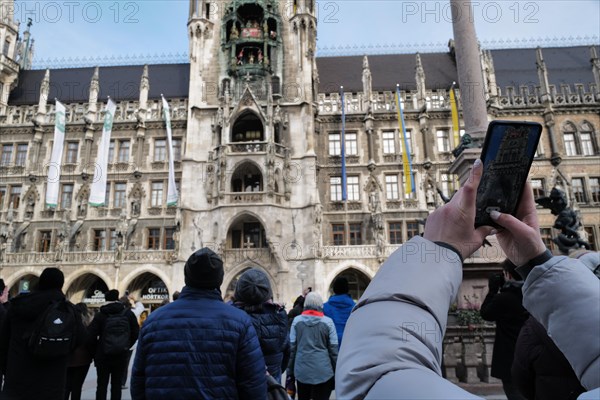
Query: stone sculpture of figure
[567,221]
[82,206]
[29,207]
[234,34]
[135,207]
[251,58]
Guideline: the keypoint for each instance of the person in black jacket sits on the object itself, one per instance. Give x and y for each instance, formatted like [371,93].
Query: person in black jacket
[27,376]
[253,295]
[111,366]
[504,305]
[540,370]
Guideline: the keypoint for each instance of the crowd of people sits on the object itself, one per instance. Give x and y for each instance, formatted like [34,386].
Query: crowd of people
[547,314]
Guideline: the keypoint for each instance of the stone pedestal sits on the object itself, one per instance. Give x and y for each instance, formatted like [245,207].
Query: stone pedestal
[463,163]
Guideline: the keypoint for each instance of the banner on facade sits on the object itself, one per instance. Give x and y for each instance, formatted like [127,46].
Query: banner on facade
[98,192]
[172,194]
[454,112]
[56,157]
[409,181]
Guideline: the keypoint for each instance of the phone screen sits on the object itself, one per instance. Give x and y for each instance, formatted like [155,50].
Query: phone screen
[507,155]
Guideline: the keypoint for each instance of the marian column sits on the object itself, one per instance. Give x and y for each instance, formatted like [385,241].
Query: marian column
[470,78]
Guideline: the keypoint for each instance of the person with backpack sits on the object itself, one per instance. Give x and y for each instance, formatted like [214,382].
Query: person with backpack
[113,331]
[40,331]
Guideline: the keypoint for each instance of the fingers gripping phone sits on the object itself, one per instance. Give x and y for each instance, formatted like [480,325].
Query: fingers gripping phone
[507,155]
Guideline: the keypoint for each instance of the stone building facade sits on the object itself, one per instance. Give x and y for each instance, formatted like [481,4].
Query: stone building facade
[256,120]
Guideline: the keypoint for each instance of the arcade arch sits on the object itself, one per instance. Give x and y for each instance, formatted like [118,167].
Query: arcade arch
[246,232]
[247,128]
[88,288]
[247,177]
[357,282]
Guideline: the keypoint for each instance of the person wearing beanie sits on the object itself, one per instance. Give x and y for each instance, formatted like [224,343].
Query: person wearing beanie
[110,367]
[253,295]
[339,306]
[314,350]
[198,347]
[25,375]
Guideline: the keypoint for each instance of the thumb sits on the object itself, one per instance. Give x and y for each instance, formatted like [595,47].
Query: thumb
[507,221]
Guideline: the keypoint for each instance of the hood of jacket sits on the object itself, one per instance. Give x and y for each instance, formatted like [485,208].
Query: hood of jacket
[28,306]
[342,301]
[112,308]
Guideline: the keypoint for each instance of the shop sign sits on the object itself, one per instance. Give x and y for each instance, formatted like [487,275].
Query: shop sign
[156,293]
[96,298]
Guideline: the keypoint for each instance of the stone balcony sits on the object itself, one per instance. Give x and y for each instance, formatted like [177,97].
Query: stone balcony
[467,354]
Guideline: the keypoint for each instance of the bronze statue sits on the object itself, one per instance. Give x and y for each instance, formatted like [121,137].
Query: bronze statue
[567,221]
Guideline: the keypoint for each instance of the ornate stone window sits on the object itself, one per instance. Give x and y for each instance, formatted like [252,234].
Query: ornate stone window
[247,128]
[246,232]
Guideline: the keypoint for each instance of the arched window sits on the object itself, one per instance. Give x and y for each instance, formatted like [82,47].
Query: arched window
[247,128]
[579,142]
[357,283]
[246,232]
[247,178]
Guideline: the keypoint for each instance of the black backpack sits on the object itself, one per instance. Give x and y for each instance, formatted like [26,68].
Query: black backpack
[115,336]
[54,331]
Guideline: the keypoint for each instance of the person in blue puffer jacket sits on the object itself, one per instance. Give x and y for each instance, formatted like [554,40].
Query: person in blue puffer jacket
[253,294]
[339,306]
[198,347]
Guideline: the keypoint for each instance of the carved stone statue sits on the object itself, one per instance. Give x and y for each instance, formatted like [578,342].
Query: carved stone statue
[567,221]
[234,34]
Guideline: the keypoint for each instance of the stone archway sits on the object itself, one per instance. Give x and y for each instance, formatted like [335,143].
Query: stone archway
[357,282]
[88,288]
[150,289]
[24,284]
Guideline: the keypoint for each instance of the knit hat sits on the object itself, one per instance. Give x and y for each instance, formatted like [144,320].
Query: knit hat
[340,285]
[204,270]
[51,278]
[111,295]
[253,287]
[313,301]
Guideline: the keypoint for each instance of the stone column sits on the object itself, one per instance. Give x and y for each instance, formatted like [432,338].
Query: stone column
[470,78]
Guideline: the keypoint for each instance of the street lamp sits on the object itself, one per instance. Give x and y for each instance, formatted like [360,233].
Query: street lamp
[302,275]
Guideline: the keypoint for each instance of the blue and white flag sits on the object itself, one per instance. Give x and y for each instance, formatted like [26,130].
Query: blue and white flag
[56,157]
[98,192]
[172,194]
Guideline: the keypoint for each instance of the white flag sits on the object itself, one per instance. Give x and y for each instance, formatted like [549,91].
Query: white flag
[98,193]
[171,188]
[56,158]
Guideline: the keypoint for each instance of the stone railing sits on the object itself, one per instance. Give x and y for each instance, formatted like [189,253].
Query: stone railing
[126,112]
[356,252]
[331,103]
[468,353]
[235,256]
[526,96]
[86,257]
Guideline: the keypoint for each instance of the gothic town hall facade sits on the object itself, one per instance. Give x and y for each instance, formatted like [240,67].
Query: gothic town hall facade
[256,120]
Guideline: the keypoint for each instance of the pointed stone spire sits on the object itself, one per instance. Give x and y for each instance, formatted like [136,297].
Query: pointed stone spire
[144,88]
[595,67]
[490,75]
[542,75]
[420,80]
[367,80]
[143,100]
[90,116]
[44,91]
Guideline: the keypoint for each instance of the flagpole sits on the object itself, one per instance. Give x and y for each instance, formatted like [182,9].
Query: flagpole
[343,149]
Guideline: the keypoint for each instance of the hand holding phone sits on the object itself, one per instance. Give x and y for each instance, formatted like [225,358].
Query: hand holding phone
[507,156]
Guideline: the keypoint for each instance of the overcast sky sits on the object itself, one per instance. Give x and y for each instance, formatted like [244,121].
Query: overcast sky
[68,28]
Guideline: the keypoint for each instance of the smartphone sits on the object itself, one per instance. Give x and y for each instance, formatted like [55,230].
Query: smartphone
[507,155]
